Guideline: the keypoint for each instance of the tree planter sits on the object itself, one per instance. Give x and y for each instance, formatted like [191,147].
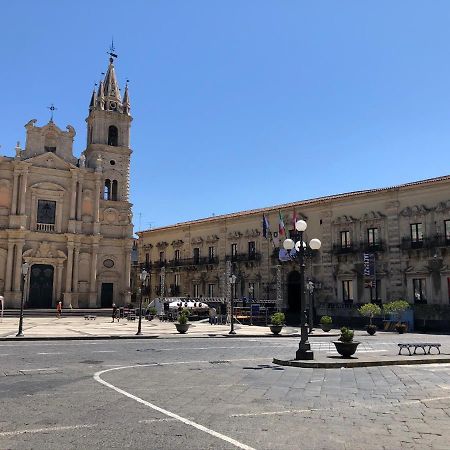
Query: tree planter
[182,327]
[346,349]
[325,327]
[276,329]
[401,328]
[371,329]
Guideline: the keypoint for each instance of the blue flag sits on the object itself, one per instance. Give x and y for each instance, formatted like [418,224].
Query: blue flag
[266,228]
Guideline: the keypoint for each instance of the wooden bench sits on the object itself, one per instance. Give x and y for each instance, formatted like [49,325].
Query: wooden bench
[90,317]
[422,345]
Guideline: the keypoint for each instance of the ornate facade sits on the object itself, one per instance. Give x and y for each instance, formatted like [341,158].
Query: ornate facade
[69,217]
[405,229]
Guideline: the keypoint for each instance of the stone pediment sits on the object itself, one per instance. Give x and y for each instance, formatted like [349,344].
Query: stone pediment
[252,233]
[48,186]
[50,161]
[45,250]
[443,206]
[372,215]
[416,210]
[341,220]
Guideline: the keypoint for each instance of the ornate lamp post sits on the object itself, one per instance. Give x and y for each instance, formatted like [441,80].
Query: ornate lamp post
[143,278]
[232,280]
[25,267]
[251,291]
[310,288]
[304,349]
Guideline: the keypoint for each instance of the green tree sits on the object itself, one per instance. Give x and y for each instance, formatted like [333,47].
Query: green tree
[369,310]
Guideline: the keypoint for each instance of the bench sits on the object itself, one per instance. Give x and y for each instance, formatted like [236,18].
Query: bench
[131,316]
[90,317]
[418,345]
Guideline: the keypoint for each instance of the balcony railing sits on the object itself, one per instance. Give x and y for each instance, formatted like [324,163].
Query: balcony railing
[344,249]
[194,261]
[45,227]
[254,256]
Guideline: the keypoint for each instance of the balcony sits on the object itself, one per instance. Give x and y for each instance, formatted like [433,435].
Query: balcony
[200,261]
[343,250]
[372,247]
[45,227]
[254,256]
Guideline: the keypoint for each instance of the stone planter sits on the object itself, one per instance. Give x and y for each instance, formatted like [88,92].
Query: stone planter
[276,329]
[182,327]
[371,329]
[346,349]
[325,327]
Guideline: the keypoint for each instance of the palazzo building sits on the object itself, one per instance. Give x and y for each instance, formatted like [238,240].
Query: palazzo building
[403,230]
[69,218]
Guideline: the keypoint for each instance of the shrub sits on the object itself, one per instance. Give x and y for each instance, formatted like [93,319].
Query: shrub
[183,318]
[277,318]
[152,311]
[396,307]
[326,320]
[346,335]
[369,310]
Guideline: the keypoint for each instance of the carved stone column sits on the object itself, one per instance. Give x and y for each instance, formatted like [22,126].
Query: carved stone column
[9,267]
[69,270]
[18,266]
[75,276]
[14,194]
[59,271]
[73,195]
[23,192]
[79,196]
[97,200]
[93,280]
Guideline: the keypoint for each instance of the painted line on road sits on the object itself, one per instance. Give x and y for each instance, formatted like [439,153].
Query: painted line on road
[276,413]
[157,420]
[50,353]
[45,430]
[104,351]
[97,377]
[36,370]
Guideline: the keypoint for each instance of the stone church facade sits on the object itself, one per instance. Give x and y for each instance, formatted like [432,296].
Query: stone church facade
[69,218]
[405,229]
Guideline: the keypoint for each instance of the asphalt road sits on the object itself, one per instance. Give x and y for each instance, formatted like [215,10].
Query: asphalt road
[214,393]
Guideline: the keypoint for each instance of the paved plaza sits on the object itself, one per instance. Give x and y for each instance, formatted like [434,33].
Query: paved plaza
[187,392]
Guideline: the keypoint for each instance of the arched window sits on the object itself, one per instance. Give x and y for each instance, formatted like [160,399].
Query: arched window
[114,190]
[113,136]
[107,190]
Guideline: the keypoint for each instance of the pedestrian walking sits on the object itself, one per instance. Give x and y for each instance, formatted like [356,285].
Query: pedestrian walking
[212,316]
[114,313]
[59,310]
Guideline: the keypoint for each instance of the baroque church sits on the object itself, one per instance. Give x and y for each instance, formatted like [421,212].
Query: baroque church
[69,218]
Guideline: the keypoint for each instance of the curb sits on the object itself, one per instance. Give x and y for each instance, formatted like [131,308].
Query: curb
[73,338]
[355,363]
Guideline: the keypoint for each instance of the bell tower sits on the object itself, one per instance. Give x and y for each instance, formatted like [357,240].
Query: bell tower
[108,135]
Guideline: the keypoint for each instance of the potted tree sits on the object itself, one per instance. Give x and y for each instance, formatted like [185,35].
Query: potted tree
[152,311]
[325,323]
[346,346]
[182,324]
[276,322]
[370,310]
[396,308]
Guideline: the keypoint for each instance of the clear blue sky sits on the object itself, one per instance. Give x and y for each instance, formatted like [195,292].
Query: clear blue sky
[242,104]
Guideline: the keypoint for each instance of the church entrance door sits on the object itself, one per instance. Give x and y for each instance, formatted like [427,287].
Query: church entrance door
[41,286]
[107,295]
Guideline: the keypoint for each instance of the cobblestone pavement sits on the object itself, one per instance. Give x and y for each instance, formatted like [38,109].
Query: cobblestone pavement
[215,394]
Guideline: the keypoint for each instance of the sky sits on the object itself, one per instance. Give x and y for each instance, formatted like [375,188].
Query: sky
[241,104]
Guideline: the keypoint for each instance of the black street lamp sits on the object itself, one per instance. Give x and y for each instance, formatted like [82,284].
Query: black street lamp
[310,288]
[25,267]
[232,283]
[143,278]
[304,349]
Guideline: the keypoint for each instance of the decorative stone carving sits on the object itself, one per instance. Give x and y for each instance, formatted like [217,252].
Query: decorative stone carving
[177,243]
[341,220]
[234,235]
[416,210]
[372,215]
[443,207]
[110,215]
[162,245]
[147,246]
[210,239]
[45,250]
[197,240]
[252,233]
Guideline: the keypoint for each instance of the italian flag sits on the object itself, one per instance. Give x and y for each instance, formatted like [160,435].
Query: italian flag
[281,228]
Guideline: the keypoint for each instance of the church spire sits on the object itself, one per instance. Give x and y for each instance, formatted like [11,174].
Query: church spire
[126,100]
[93,102]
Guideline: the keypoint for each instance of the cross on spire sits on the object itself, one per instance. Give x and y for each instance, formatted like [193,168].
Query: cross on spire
[51,108]
[112,51]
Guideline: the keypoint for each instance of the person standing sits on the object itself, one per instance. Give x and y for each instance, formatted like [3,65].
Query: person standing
[59,310]
[114,313]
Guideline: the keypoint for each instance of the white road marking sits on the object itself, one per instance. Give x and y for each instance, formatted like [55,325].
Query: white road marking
[45,430]
[50,353]
[97,377]
[4,354]
[275,413]
[35,370]
[157,420]
[104,351]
